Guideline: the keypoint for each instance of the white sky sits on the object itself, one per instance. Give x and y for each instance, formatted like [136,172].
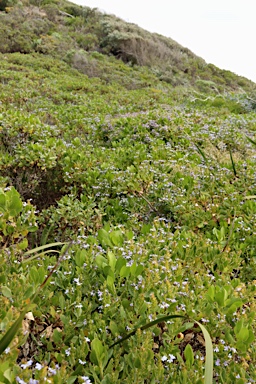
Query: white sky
[222,32]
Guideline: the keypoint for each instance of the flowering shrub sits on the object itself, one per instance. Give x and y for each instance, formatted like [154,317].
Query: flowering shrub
[156,194]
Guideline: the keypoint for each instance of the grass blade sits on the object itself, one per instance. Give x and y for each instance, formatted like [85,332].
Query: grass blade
[42,247]
[201,152]
[209,355]
[31,258]
[146,326]
[233,163]
[10,334]
[251,140]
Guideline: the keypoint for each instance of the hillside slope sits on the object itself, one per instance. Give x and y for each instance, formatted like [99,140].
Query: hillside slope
[152,185]
[72,33]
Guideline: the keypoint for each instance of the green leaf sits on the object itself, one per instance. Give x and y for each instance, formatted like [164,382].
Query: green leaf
[33,274]
[111,260]
[29,292]
[125,271]
[14,202]
[110,281]
[23,244]
[80,257]
[243,334]
[139,270]
[6,292]
[10,334]
[189,355]
[211,292]
[71,379]
[120,263]
[137,363]
[57,336]
[97,351]
[117,238]
[104,238]
[9,375]
[108,271]
[208,377]
[221,297]
[101,261]
[3,207]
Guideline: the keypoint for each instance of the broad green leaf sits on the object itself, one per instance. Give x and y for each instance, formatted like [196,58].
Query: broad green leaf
[120,263]
[33,274]
[110,281]
[71,379]
[108,271]
[101,261]
[111,260]
[211,292]
[6,292]
[243,334]
[104,238]
[9,375]
[125,271]
[14,202]
[23,244]
[133,268]
[221,297]
[117,238]
[80,257]
[189,355]
[97,350]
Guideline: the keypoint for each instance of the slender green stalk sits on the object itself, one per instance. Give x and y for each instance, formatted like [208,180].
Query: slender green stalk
[233,163]
[148,325]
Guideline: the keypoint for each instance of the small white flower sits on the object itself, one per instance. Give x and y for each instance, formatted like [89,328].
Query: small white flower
[38,366]
[164,358]
[20,381]
[217,362]
[171,358]
[52,371]
[27,364]
[86,380]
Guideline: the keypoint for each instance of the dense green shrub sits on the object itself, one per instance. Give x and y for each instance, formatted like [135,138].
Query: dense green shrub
[153,187]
